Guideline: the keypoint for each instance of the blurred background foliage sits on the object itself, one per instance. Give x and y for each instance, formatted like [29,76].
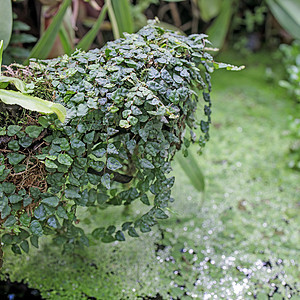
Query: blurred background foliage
[49,28]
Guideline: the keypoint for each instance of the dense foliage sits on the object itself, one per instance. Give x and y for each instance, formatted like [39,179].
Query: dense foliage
[291,62]
[130,107]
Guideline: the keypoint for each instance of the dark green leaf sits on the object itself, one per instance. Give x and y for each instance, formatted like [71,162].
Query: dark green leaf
[36,228]
[51,201]
[132,232]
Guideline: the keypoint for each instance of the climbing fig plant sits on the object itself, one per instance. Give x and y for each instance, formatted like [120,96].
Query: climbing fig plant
[130,106]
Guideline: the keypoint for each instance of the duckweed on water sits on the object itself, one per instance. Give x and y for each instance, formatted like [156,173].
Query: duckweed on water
[241,242]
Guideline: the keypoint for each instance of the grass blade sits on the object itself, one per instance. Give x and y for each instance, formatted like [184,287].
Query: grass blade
[123,16]
[45,43]
[88,39]
[65,41]
[113,20]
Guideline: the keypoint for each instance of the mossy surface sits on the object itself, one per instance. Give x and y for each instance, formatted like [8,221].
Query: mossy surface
[238,241]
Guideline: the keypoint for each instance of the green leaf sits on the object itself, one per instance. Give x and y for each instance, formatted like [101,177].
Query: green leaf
[132,232]
[11,220]
[25,246]
[34,240]
[15,158]
[13,129]
[124,124]
[113,164]
[123,16]
[5,211]
[65,40]
[36,228]
[51,201]
[33,103]
[192,170]
[146,164]
[61,213]
[19,84]
[15,198]
[6,22]
[89,37]
[25,219]
[209,9]
[120,236]
[160,214]
[107,238]
[45,43]
[16,249]
[218,30]
[40,212]
[287,14]
[53,222]
[50,164]
[65,159]
[105,180]
[33,131]
[7,239]
[144,199]
[98,233]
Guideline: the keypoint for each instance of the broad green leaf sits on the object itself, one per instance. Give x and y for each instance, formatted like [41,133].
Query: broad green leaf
[33,103]
[6,22]
[88,39]
[45,43]
[19,84]
[209,9]
[7,239]
[287,13]
[218,30]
